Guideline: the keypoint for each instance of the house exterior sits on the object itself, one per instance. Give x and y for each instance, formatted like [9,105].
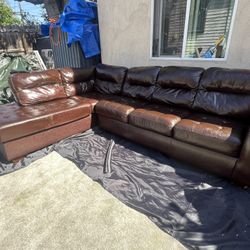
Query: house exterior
[166,32]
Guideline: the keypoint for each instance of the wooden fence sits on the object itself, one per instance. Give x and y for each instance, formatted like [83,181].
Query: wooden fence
[17,39]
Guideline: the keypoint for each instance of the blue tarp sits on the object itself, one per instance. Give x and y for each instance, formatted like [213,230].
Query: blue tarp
[45,29]
[79,20]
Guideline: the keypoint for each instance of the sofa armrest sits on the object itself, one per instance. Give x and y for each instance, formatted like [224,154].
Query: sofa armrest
[241,173]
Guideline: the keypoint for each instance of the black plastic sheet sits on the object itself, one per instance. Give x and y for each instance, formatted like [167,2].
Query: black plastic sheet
[200,210]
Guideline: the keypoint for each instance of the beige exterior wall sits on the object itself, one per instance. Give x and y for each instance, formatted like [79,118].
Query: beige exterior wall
[125,27]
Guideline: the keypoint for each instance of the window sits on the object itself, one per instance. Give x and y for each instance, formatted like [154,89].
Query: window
[192,28]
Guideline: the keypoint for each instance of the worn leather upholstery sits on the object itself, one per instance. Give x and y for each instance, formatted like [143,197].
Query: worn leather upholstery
[78,88]
[77,81]
[177,85]
[158,118]
[210,160]
[114,110]
[212,132]
[19,121]
[140,82]
[109,79]
[224,92]
[76,75]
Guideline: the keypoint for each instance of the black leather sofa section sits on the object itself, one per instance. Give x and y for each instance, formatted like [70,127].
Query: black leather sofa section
[173,113]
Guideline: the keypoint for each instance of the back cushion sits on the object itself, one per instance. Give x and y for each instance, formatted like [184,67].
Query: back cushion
[109,79]
[20,81]
[177,85]
[140,82]
[224,92]
[76,75]
[77,81]
[36,87]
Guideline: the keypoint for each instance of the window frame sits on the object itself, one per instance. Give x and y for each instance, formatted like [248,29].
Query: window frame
[183,58]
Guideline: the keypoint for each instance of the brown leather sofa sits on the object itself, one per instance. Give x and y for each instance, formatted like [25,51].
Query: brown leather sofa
[198,116]
[47,110]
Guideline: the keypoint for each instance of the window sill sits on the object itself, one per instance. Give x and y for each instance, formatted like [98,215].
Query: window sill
[164,58]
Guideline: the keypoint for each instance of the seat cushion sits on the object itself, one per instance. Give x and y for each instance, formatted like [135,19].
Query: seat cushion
[114,110]
[19,121]
[211,132]
[94,97]
[158,118]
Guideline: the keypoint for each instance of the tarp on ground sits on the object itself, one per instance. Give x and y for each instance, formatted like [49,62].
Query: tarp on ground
[14,63]
[200,210]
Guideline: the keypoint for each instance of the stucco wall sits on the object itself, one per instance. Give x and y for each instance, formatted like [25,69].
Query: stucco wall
[125,27]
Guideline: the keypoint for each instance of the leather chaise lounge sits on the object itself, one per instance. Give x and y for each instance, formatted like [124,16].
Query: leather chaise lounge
[197,116]
[47,111]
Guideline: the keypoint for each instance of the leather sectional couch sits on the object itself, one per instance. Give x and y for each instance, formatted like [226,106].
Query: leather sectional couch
[198,116]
